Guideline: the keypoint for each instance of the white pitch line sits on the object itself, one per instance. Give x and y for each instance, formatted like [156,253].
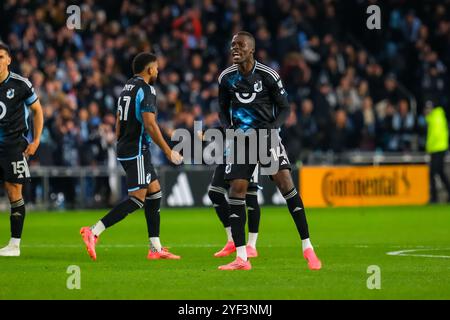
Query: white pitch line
[406,253]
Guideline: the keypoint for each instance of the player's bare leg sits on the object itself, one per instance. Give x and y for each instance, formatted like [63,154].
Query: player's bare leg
[152,216]
[238,191]
[90,235]
[17,218]
[283,180]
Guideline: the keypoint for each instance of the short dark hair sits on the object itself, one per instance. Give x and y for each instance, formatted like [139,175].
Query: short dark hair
[141,61]
[248,35]
[3,46]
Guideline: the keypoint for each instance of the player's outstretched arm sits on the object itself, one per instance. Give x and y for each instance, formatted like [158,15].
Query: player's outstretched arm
[152,128]
[38,124]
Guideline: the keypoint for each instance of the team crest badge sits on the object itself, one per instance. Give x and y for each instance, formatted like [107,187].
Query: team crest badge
[10,93]
[258,86]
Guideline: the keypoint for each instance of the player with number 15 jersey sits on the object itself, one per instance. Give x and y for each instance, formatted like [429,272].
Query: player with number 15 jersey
[17,102]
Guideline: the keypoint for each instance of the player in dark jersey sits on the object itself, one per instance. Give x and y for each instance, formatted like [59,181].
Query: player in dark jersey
[136,127]
[217,191]
[17,98]
[252,96]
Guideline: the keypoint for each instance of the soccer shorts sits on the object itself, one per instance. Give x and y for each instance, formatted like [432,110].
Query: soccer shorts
[14,167]
[278,161]
[139,171]
[218,180]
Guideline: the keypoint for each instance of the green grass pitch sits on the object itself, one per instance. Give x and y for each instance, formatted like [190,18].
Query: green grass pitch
[347,240]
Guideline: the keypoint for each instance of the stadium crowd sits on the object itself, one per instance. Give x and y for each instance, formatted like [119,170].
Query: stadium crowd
[350,88]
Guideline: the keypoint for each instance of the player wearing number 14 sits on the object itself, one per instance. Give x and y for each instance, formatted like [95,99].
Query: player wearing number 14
[17,98]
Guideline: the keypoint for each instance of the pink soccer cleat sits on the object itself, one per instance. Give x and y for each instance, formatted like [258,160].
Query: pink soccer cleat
[251,252]
[90,240]
[163,254]
[237,264]
[313,262]
[226,251]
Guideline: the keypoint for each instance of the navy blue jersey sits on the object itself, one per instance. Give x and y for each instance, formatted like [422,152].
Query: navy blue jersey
[251,101]
[16,95]
[137,96]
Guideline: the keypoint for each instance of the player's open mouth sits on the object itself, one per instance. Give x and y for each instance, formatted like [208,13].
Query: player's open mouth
[236,55]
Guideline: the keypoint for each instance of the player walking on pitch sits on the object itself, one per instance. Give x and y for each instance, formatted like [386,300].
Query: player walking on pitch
[252,96]
[136,127]
[16,98]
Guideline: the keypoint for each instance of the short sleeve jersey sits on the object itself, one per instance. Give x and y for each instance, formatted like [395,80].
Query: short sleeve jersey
[16,95]
[136,97]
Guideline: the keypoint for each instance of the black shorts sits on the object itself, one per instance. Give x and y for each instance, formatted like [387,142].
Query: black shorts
[278,161]
[14,167]
[140,172]
[220,184]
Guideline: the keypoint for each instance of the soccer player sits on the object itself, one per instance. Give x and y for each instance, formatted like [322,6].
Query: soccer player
[216,192]
[17,97]
[136,127]
[252,96]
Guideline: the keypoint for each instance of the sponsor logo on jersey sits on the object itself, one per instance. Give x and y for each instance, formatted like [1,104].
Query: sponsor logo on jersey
[244,97]
[2,110]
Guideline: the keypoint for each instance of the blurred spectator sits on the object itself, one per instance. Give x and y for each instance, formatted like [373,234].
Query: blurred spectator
[340,133]
[403,125]
[369,126]
[308,128]
[292,136]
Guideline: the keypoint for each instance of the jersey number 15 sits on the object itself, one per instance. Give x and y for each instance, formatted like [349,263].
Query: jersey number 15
[123,111]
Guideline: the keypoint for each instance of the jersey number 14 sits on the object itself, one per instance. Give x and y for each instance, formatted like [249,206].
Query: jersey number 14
[123,111]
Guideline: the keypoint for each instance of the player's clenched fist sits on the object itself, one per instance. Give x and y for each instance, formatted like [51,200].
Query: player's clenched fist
[175,157]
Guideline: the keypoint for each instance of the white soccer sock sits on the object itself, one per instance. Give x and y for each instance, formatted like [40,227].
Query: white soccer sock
[155,243]
[242,252]
[306,244]
[252,237]
[98,228]
[229,235]
[14,242]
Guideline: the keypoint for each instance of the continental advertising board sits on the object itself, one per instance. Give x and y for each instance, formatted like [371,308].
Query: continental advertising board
[364,186]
